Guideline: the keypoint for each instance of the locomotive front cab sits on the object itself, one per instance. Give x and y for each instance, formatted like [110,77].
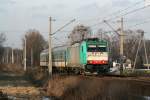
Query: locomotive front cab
[97,56]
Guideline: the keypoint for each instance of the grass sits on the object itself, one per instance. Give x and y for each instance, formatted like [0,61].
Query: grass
[129,72]
[85,88]
[11,68]
[36,76]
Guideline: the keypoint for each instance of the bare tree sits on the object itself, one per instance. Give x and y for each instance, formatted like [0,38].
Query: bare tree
[101,34]
[18,56]
[79,33]
[35,43]
[131,40]
[2,39]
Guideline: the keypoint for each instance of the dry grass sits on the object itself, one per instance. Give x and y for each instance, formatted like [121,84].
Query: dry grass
[36,75]
[11,68]
[20,91]
[85,88]
[58,85]
[76,88]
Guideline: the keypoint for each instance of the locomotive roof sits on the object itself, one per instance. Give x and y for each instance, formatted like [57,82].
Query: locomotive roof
[95,40]
[64,47]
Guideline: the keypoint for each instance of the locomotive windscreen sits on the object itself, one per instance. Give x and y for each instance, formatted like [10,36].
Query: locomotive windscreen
[96,49]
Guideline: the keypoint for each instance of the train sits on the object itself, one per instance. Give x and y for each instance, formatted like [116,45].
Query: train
[89,56]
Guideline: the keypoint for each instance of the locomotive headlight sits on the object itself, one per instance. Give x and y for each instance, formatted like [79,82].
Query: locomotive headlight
[97,53]
[90,62]
[103,61]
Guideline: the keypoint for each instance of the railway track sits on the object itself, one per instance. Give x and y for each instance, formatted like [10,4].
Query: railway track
[132,78]
[135,79]
[111,76]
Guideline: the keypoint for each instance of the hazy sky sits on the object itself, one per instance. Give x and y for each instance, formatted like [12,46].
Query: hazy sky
[18,16]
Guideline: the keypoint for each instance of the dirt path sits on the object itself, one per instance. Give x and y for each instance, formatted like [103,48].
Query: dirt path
[18,86]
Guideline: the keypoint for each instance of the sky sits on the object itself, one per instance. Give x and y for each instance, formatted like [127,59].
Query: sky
[18,16]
